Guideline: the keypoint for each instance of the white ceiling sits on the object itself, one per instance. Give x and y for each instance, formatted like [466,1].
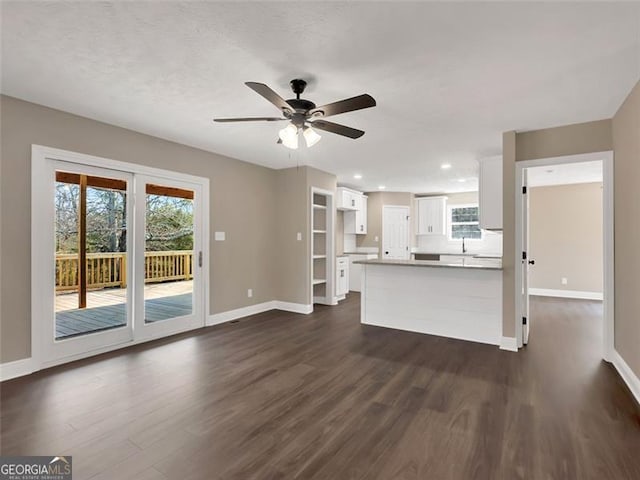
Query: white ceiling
[449,78]
[565,174]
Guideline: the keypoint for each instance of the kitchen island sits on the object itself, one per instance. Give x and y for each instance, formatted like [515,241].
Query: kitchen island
[459,300]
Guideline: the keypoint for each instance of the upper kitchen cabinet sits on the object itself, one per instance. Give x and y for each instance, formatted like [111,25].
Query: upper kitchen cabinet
[490,194]
[348,199]
[356,221]
[431,216]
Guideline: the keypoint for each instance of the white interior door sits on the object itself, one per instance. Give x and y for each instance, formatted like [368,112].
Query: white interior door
[169,287]
[395,232]
[87,292]
[526,260]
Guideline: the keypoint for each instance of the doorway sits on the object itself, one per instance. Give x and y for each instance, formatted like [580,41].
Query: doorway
[395,232]
[564,238]
[117,254]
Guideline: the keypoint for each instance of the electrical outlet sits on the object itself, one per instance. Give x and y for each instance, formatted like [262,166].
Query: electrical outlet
[220,236]
[564,280]
[250,293]
[299,236]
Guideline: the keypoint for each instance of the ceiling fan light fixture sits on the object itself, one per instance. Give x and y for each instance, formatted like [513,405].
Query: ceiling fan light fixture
[289,136]
[311,137]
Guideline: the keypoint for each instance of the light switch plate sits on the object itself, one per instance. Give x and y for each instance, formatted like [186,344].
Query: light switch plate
[299,236]
[220,236]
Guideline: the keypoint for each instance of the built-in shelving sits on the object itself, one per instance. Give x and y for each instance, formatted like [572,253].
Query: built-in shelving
[322,262]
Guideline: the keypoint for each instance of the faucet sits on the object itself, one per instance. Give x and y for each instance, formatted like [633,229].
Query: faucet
[464,249]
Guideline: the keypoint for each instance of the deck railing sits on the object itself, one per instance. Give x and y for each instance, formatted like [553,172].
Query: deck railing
[110,269]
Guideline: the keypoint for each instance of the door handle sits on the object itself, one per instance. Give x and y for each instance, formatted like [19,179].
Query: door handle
[532,262]
[200,259]
[386,253]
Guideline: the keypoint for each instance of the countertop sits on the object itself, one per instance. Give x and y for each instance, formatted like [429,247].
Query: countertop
[427,263]
[466,254]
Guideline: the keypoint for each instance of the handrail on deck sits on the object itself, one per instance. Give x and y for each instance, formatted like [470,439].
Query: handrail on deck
[109,269]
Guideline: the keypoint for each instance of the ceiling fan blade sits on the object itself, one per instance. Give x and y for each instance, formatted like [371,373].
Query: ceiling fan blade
[337,128]
[348,105]
[249,119]
[270,95]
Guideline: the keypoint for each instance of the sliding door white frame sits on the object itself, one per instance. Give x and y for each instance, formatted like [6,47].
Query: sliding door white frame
[41,262]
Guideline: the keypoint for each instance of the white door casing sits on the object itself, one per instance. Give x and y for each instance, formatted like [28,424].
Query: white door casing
[525,259]
[607,160]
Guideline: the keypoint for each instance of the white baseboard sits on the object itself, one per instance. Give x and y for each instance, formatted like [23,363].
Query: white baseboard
[630,378]
[509,343]
[293,307]
[17,368]
[222,317]
[548,292]
[229,315]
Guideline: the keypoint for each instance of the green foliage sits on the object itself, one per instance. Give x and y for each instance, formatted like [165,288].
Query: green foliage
[169,221]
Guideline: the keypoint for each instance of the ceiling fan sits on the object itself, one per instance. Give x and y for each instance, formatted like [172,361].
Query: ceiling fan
[303,114]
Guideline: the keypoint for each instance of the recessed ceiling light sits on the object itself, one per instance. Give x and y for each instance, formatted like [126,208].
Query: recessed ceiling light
[357,176]
[381,187]
[462,180]
[445,166]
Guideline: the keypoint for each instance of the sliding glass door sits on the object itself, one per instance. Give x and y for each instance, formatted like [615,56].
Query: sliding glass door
[92,292]
[168,279]
[117,258]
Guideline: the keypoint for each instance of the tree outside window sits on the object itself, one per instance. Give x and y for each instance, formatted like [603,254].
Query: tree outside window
[464,222]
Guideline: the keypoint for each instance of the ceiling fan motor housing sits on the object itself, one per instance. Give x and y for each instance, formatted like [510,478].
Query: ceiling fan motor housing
[298,85]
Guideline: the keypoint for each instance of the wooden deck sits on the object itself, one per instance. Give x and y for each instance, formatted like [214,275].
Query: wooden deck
[106,308]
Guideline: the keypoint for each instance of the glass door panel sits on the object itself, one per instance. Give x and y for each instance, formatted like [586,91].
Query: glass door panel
[168,287]
[91,287]
[91,253]
[168,262]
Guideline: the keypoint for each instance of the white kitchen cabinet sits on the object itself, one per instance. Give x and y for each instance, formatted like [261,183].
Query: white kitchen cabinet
[342,277]
[347,199]
[355,222]
[490,193]
[431,216]
[355,270]
[454,259]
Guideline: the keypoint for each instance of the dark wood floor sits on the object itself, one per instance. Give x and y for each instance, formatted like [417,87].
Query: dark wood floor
[283,396]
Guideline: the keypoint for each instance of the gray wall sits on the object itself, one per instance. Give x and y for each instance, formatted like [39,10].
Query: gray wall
[566,237]
[626,146]
[260,209]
